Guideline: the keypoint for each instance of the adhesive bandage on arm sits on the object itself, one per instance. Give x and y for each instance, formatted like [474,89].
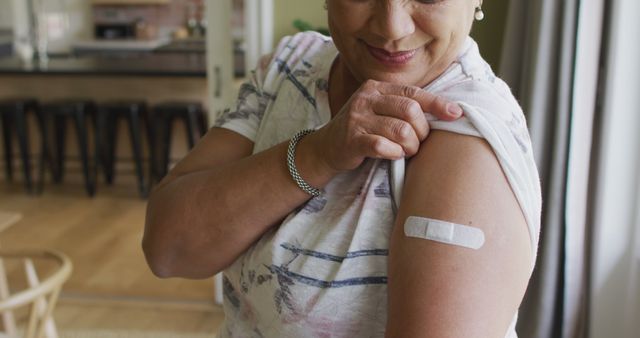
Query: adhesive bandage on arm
[444,232]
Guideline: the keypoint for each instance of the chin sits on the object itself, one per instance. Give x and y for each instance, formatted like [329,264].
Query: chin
[401,78]
[410,75]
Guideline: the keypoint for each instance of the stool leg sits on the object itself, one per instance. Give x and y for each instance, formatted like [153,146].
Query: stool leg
[23,142]
[81,131]
[97,143]
[136,140]
[8,147]
[166,143]
[60,126]
[202,123]
[110,145]
[192,126]
[151,138]
[45,150]
[101,149]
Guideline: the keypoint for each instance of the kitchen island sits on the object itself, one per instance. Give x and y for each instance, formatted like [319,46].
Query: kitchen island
[6,43]
[152,77]
[144,76]
[111,64]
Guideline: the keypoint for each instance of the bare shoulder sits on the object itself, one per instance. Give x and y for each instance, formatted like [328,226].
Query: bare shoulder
[447,290]
[462,170]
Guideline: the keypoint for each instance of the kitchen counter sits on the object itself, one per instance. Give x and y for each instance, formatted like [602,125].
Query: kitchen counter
[141,77]
[6,48]
[6,43]
[129,64]
[183,46]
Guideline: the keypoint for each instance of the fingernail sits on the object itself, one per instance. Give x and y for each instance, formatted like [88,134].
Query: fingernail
[454,109]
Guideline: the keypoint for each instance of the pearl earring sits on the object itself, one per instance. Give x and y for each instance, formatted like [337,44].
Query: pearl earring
[479,13]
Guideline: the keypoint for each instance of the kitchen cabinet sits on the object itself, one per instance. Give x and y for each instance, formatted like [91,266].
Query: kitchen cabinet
[130,2]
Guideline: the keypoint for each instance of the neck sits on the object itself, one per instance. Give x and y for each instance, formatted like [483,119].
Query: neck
[342,84]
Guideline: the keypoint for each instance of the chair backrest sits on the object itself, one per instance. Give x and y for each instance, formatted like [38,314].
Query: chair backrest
[40,296]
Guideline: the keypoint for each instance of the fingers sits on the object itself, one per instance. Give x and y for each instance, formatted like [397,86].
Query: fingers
[430,103]
[405,109]
[398,131]
[383,120]
[376,146]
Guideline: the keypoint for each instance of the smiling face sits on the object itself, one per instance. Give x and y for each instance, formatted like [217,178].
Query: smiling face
[408,42]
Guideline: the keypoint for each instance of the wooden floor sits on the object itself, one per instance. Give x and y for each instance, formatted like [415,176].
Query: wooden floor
[111,286]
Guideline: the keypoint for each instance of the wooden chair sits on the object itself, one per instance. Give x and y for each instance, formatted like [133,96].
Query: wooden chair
[40,296]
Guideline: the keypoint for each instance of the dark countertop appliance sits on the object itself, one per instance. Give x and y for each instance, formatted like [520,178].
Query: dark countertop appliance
[110,31]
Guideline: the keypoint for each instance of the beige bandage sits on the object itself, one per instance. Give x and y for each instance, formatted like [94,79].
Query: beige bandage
[444,232]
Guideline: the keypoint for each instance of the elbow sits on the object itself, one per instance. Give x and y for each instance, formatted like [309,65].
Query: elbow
[157,264]
[172,262]
[160,250]
[173,248]
[160,269]
[169,254]
[160,263]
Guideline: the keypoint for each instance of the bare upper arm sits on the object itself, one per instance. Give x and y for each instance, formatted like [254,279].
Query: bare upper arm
[219,146]
[440,290]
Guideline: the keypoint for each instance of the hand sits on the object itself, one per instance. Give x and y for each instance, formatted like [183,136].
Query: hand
[380,120]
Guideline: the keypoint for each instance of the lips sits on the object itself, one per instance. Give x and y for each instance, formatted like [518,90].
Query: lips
[391,58]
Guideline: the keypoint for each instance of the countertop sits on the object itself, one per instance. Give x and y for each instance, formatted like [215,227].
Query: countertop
[129,64]
[183,46]
[124,45]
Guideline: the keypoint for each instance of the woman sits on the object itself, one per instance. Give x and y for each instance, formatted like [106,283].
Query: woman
[336,119]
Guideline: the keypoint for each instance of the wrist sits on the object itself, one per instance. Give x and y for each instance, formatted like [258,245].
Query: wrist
[310,164]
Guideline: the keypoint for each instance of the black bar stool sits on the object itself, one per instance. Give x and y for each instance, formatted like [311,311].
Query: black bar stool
[194,118]
[83,114]
[135,113]
[13,113]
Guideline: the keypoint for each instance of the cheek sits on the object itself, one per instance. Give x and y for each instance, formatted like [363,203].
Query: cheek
[342,22]
[338,25]
[339,35]
[444,27]
[436,31]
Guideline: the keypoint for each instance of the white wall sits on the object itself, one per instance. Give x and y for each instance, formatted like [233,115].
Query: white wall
[219,56]
[63,21]
[80,17]
[285,11]
[615,288]
[5,14]
[77,22]
[259,23]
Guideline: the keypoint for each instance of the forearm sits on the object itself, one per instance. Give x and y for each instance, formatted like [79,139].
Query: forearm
[198,223]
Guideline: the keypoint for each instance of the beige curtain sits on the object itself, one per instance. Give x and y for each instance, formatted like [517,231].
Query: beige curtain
[539,61]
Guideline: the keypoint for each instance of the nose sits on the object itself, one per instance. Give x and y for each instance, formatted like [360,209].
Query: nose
[392,20]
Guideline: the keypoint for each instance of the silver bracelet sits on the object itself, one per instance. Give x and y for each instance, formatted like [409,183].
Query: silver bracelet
[291,164]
